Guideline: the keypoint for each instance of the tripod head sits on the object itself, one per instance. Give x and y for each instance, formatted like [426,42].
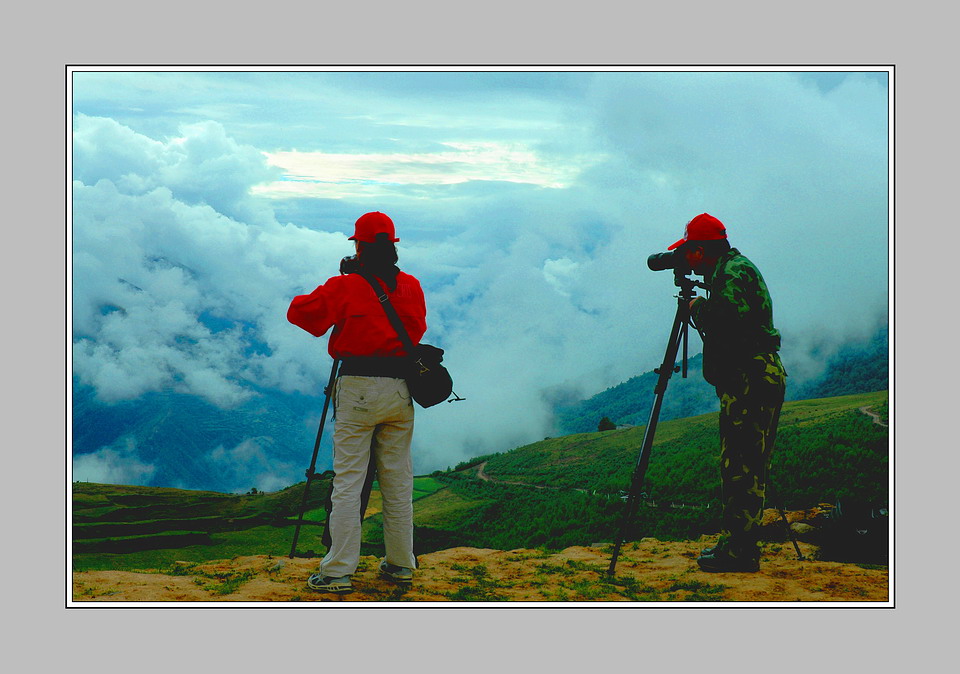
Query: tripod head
[683,320]
[686,284]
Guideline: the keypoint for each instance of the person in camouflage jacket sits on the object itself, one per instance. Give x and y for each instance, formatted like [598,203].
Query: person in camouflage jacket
[740,345]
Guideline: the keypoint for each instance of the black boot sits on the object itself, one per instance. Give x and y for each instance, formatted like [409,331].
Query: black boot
[718,561]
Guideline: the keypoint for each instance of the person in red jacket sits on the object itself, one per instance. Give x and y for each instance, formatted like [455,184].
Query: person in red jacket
[372,405]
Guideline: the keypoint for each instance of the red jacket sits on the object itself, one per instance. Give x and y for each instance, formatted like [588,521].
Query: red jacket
[360,326]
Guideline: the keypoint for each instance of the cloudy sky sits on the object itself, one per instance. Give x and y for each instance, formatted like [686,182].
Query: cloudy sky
[526,203]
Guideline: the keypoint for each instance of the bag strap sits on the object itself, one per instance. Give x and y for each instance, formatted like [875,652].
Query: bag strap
[392,315]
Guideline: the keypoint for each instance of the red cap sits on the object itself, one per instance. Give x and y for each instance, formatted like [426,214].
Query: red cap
[704,227]
[369,225]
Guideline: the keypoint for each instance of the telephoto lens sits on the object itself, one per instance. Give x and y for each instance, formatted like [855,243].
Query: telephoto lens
[662,261]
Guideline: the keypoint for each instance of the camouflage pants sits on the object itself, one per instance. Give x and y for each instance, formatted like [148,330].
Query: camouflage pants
[750,405]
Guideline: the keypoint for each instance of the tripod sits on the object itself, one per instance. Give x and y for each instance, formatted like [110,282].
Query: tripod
[678,336]
[313,462]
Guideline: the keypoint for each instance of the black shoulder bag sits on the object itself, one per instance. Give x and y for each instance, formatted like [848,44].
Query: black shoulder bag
[429,381]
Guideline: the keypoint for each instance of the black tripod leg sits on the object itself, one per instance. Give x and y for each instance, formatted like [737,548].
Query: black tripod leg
[677,334]
[313,461]
[368,484]
[793,538]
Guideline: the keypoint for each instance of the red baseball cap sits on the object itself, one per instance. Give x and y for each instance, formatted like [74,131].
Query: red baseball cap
[704,227]
[369,225]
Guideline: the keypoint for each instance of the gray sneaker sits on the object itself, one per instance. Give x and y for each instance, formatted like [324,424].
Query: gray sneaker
[398,574]
[341,585]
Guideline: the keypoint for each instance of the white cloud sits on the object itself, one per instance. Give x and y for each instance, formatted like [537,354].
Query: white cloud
[332,175]
[249,464]
[116,464]
[560,273]
[149,269]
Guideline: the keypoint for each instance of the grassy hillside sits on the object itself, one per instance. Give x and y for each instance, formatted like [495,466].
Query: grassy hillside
[551,494]
[122,527]
[827,443]
[118,526]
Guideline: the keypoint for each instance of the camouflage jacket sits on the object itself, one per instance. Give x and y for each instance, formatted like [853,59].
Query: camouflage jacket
[736,319]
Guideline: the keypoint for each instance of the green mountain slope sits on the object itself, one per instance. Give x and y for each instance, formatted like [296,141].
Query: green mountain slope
[857,367]
[817,433]
[828,450]
[629,403]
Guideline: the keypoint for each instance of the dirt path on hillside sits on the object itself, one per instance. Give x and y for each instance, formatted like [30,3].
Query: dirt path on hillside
[873,415]
[648,571]
[481,475]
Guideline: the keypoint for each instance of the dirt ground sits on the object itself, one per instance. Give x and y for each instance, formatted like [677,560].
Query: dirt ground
[648,571]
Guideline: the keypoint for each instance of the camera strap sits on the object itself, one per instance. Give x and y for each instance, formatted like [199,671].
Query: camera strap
[392,314]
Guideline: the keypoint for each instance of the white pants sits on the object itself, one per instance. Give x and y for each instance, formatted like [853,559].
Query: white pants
[372,414]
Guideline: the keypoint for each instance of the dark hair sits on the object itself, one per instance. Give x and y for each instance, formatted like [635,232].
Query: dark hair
[380,258]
